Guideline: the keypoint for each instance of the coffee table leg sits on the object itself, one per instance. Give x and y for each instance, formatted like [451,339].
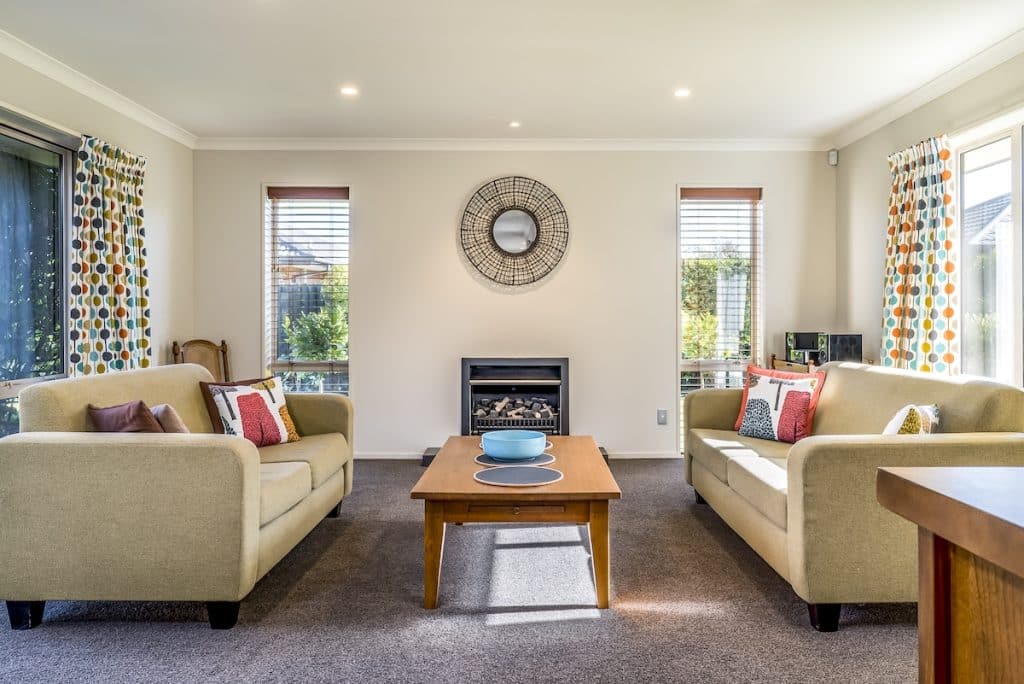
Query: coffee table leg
[433,546]
[599,550]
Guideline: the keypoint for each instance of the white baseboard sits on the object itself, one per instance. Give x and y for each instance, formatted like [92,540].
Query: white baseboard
[613,455]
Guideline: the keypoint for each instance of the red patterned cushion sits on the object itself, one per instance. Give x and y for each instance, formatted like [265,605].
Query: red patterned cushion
[794,416]
[256,410]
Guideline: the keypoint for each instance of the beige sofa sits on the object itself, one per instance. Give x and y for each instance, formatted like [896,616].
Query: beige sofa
[157,517]
[809,509]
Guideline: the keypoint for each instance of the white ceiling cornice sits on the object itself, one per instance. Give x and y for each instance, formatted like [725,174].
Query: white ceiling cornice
[25,54]
[513,144]
[1004,50]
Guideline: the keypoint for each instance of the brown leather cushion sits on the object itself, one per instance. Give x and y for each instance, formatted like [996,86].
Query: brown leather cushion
[211,405]
[134,416]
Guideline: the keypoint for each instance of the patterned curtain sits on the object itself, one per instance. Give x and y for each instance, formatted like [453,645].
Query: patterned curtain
[109,290]
[920,312]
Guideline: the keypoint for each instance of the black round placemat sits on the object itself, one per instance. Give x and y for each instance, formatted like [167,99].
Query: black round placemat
[490,461]
[518,476]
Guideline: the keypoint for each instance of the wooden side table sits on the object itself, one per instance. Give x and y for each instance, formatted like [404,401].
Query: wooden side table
[970,568]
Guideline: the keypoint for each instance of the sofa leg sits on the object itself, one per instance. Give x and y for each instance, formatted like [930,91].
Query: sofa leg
[25,614]
[336,511]
[700,499]
[824,616]
[222,614]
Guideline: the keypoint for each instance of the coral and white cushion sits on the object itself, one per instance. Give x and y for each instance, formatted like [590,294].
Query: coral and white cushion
[779,407]
[256,411]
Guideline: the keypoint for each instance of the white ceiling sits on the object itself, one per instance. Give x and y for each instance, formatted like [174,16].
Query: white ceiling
[758,69]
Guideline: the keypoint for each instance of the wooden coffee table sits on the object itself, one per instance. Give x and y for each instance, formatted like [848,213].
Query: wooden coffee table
[451,495]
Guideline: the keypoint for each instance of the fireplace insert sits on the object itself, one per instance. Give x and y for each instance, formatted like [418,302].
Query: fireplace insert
[514,393]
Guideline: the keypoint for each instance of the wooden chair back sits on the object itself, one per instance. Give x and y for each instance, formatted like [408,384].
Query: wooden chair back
[214,357]
[783,365]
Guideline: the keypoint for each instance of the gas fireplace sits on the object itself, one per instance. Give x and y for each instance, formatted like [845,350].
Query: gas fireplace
[513,393]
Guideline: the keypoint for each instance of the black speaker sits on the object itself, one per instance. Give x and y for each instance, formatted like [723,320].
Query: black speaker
[821,347]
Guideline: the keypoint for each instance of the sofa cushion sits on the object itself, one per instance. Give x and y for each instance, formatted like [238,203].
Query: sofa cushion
[778,409]
[61,405]
[861,399]
[133,416]
[169,419]
[282,485]
[325,454]
[713,449]
[762,484]
[754,374]
[257,411]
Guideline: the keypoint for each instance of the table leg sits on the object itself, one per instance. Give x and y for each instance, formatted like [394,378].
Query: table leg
[599,550]
[934,614]
[433,546]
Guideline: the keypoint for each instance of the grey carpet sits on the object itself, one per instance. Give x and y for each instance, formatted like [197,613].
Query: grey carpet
[691,603]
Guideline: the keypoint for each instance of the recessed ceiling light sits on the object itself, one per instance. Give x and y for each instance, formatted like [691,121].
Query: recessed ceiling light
[682,92]
[514,124]
[351,91]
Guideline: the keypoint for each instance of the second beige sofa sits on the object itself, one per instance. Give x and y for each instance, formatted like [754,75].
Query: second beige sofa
[152,517]
[809,508]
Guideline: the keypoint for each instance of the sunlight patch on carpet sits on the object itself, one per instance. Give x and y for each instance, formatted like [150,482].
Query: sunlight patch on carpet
[523,617]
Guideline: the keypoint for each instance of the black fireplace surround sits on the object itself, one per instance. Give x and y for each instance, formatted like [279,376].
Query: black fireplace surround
[539,387]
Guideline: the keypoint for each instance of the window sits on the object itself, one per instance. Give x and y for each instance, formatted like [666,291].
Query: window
[34,205]
[306,287]
[990,233]
[719,285]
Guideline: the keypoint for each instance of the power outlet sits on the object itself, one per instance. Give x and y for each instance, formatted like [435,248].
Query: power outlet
[662,417]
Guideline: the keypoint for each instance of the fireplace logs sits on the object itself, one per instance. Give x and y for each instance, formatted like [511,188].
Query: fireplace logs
[507,407]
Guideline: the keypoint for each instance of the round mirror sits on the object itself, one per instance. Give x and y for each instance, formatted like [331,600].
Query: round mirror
[514,231]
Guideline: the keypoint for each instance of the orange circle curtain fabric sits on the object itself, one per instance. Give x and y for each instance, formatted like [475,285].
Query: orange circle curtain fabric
[920,311]
[108,287]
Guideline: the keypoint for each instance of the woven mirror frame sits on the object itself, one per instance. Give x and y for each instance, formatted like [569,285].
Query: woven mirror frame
[540,257]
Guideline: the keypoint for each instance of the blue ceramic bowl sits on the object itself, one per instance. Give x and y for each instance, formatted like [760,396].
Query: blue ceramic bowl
[513,445]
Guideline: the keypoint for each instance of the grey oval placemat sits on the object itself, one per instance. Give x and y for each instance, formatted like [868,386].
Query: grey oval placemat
[542,460]
[518,476]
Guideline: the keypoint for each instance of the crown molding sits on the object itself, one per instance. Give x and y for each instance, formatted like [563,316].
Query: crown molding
[987,59]
[33,58]
[513,145]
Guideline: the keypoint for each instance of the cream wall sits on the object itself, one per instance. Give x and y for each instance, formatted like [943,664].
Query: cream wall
[416,308]
[863,182]
[168,190]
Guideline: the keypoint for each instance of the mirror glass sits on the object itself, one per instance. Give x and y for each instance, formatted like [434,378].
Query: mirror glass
[514,231]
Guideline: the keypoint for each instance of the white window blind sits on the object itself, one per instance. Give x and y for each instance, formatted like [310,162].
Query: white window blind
[720,285]
[306,292]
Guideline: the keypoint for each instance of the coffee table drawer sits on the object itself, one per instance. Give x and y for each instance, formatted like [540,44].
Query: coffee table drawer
[527,511]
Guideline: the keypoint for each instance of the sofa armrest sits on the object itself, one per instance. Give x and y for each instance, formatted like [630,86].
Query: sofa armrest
[319,414]
[715,409]
[106,516]
[843,545]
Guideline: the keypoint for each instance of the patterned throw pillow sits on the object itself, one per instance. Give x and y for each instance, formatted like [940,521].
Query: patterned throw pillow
[779,406]
[255,410]
[914,420]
